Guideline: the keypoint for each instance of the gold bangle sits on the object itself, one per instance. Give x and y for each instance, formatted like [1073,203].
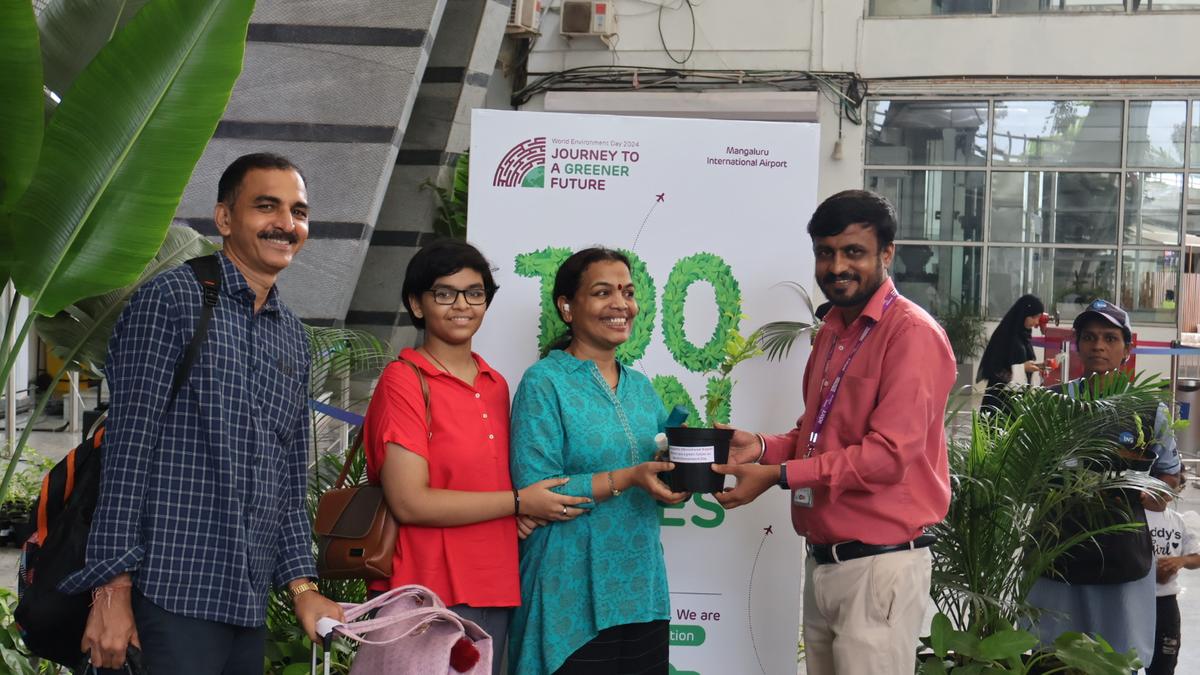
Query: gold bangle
[299,589]
[612,486]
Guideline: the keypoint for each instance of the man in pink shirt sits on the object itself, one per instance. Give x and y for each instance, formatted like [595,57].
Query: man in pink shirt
[866,464]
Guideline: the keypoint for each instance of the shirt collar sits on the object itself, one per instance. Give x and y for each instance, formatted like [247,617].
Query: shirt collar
[874,308]
[233,283]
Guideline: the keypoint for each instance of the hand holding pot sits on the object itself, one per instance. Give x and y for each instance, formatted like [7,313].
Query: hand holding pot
[752,481]
[645,476]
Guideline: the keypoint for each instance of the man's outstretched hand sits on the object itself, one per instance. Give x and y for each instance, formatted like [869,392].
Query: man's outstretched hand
[752,481]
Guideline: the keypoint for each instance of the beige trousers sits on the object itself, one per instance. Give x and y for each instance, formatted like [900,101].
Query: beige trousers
[862,617]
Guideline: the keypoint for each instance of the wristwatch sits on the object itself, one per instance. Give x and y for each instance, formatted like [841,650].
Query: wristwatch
[299,589]
[783,482]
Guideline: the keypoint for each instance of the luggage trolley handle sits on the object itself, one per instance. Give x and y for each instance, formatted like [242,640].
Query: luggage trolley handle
[325,628]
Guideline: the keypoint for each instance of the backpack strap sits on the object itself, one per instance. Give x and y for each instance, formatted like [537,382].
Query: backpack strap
[356,446]
[208,272]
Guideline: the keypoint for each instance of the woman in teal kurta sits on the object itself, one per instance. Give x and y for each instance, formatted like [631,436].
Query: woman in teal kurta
[593,588]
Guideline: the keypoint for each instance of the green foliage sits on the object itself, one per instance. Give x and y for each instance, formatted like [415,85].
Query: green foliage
[21,125]
[543,264]
[777,337]
[120,148]
[27,483]
[1011,479]
[964,328]
[340,353]
[719,391]
[74,31]
[86,199]
[714,270]
[79,333]
[451,217]
[1009,650]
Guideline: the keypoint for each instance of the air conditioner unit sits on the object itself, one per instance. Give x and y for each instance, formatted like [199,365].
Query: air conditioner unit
[587,17]
[525,17]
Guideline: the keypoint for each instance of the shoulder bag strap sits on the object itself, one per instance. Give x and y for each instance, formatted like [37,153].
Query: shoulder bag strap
[424,394]
[208,272]
[356,446]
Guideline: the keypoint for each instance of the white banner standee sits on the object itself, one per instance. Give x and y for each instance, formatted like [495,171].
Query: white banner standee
[713,213]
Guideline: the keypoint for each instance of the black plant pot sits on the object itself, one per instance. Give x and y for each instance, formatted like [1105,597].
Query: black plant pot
[694,450]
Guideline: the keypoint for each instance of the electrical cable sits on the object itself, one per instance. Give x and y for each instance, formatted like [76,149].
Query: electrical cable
[846,90]
[663,40]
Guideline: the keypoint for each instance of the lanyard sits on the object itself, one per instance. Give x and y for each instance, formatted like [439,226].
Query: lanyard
[831,395]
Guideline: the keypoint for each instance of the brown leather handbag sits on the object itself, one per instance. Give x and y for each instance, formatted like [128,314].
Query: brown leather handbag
[356,532]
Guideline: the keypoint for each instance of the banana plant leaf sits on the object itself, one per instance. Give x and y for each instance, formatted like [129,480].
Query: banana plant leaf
[121,147]
[20,104]
[84,327]
[74,31]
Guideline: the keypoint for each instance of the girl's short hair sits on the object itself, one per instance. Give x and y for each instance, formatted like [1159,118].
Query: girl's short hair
[442,258]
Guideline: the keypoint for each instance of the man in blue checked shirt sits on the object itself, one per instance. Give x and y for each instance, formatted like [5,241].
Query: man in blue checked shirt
[202,499]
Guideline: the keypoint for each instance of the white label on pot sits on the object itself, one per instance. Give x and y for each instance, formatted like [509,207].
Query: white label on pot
[693,454]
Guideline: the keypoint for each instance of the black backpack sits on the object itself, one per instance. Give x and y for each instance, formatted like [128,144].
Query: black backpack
[52,622]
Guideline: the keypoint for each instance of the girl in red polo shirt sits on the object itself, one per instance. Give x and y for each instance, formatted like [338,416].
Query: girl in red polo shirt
[447,483]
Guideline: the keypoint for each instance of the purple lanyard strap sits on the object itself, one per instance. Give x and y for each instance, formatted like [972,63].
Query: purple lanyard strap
[831,395]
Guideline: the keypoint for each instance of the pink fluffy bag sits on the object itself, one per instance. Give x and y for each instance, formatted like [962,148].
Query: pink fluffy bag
[414,634]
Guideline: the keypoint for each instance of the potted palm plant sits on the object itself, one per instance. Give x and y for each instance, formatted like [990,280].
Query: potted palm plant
[694,449]
[1010,477]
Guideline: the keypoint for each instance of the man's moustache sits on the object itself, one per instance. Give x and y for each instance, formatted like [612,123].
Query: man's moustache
[290,236]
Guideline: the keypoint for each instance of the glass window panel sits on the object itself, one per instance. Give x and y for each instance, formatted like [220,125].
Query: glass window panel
[1054,207]
[1057,133]
[933,276]
[1153,206]
[1034,6]
[935,205]
[928,7]
[1192,217]
[1066,279]
[927,133]
[1156,133]
[1195,149]
[1149,285]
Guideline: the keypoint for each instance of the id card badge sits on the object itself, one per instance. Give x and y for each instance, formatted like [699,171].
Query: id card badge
[802,497]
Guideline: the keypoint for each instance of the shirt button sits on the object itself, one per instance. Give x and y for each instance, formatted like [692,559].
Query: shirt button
[491,437]
[824,383]
[476,395]
[841,347]
[485,416]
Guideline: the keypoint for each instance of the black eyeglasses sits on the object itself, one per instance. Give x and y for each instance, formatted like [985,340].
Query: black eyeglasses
[444,295]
